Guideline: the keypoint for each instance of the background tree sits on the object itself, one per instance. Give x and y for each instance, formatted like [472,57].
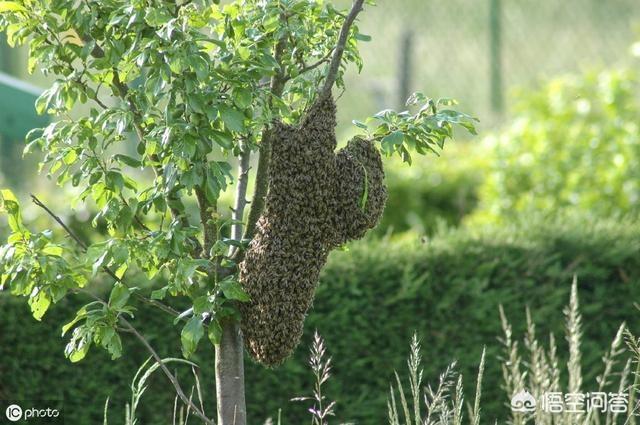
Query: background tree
[153,100]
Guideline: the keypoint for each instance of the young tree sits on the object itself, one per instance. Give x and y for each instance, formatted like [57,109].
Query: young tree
[171,95]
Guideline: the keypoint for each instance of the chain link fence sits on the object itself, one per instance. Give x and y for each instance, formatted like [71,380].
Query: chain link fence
[478,51]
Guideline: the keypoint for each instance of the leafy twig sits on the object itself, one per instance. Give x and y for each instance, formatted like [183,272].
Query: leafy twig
[107,270]
[336,59]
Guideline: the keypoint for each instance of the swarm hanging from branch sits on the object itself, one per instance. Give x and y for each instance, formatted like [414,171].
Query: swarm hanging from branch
[317,200]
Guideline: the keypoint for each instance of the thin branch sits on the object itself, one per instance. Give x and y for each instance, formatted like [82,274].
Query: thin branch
[208,225]
[174,381]
[106,269]
[262,174]
[128,327]
[58,220]
[306,68]
[240,197]
[336,60]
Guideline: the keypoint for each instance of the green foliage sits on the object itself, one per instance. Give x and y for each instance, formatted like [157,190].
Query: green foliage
[574,143]
[424,131]
[150,101]
[370,301]
[435,192]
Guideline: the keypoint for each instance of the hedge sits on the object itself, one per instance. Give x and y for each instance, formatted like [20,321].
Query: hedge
[371,300]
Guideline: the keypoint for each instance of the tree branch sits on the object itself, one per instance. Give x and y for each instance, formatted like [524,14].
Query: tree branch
[106,269]
[262,174]
[208,226]
[128,327]
[172,378]
[336,60]
[241,197]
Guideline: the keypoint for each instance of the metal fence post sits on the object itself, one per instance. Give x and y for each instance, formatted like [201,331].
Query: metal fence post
[495,55]
[405,71]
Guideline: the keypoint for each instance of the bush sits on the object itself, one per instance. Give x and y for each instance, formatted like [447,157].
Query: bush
[370,302]
[574,143]
[435,191]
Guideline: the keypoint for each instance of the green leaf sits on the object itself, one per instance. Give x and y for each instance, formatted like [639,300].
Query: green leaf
[232,118]
[233,290]
[127,160]
[202,305]
[79,345]
[156,17]
[215,332]
[362,37]
[11,6]
[360,124]
[112,342]
[244,52]
[39,303]
[53,250]
[191,335]
[365,189]
[10,205]
[97,264]
[392,140]
[159,294]
[242,97]
[81,314]
[119,296]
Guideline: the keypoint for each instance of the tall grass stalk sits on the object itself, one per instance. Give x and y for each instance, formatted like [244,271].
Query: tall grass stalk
[539,374]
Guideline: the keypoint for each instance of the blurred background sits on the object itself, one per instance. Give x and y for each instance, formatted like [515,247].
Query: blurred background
[550,188]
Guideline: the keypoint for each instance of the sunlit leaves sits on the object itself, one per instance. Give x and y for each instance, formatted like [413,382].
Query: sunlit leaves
[39,303]
[9,205]
[149,102]
[94,323]
[11,6]
[32,265]
[424,131]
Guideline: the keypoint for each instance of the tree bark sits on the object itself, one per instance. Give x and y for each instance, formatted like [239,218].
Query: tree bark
[230,376]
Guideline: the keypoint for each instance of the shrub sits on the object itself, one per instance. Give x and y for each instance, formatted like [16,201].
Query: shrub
[370,301]
[438,190]
[574,143]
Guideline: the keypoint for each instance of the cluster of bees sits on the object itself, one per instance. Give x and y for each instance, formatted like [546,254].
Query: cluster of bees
[318,200]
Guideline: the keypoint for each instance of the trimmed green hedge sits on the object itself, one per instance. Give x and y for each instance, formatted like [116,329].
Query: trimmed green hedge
[371,300]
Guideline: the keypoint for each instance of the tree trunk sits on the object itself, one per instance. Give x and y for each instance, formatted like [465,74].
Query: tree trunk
[230,376]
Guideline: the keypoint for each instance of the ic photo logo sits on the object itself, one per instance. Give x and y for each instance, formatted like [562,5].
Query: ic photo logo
[14,412]
[33,412]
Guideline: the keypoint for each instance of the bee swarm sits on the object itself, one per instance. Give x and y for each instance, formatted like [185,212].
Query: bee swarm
[317,201]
